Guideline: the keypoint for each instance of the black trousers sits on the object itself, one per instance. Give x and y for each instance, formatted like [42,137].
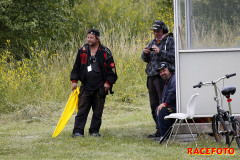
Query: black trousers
[164,124]
[88,100]
[155,88]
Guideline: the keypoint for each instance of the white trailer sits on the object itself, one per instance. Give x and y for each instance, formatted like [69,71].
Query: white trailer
[207,36]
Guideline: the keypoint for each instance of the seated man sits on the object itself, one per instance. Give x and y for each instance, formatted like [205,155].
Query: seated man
[168,103]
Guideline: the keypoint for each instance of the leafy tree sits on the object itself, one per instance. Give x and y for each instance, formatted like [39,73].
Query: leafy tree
[23,22]
[58,23]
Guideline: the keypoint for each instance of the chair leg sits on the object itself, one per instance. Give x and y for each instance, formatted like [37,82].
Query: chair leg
[177,130]
[196,128]
[191,131]
[171,132]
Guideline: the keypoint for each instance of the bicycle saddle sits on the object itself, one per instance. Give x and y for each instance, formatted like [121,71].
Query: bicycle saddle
[228,91]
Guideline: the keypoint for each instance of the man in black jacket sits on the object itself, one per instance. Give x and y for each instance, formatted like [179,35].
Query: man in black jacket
[168,103]
[161,49]
[95,68]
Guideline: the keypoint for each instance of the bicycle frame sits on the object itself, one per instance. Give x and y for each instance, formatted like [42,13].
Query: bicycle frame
[227,115]
[216,98]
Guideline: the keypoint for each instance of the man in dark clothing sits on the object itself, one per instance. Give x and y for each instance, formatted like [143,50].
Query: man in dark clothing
[95,68]
[168,104]
[161,49]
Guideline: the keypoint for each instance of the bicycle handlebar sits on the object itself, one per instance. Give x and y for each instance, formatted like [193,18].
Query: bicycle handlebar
[230,75]
[199,85]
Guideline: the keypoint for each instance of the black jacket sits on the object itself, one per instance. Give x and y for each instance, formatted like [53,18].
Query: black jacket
[106,62]
[167,54]
[169,92]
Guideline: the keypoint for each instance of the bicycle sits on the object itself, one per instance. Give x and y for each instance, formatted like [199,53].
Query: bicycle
[219,127]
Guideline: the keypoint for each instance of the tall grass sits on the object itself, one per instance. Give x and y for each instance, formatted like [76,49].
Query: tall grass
[33,81]
[31,84]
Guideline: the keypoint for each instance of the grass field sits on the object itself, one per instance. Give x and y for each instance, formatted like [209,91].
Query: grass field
[124,132]
[34,91]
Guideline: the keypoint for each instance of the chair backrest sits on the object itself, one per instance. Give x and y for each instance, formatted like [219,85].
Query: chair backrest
[191,105]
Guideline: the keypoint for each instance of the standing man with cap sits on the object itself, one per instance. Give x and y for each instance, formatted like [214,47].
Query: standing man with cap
[168,103]
[95,68]
[160,49]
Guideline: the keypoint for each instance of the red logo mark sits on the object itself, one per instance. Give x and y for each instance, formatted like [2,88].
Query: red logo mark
[112,65]
[83,58]
[105,56]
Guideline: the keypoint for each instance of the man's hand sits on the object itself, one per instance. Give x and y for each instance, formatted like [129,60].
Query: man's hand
[160,107]
[146,50]
[74,86]
[156,49]
[106,86]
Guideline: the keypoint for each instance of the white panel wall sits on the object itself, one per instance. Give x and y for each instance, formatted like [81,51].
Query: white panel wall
[207,65]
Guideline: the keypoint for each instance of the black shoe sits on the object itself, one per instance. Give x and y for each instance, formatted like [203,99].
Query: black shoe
[155,135]
[95,134]
[77,135]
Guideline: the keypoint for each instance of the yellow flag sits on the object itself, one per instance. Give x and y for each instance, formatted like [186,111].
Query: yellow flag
[71,105]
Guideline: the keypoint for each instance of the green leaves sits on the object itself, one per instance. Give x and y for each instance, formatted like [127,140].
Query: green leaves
[57,24]
[24,22]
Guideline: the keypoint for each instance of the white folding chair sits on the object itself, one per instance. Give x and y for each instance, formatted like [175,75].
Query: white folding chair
[184,116]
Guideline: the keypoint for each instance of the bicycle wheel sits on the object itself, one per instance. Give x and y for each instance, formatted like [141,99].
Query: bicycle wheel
[220,130]
[236,127]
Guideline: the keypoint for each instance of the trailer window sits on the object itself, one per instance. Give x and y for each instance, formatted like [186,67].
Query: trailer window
[209,24]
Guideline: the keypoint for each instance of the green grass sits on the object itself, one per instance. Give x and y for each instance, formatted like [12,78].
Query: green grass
[124,131]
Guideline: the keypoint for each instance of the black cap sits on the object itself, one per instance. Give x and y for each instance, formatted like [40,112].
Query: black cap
[94,31]
[163,65]
[157,25]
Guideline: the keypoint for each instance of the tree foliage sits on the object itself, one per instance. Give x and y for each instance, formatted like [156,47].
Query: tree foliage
[24,21]
[64,21]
